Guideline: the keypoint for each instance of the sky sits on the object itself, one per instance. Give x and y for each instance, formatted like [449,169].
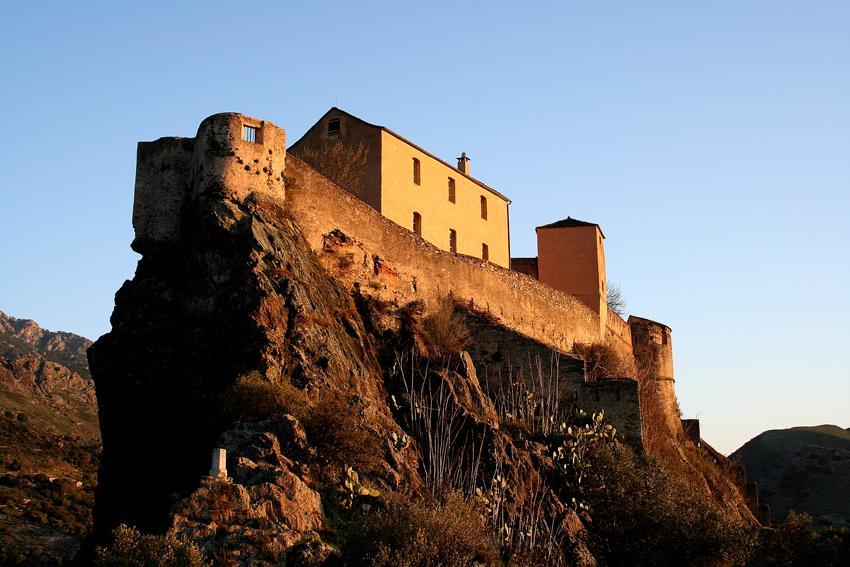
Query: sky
[710,140]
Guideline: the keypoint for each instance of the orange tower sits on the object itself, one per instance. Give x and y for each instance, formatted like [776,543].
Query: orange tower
[571,258]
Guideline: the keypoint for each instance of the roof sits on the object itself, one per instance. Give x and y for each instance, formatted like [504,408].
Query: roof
[570,222]
[408,142]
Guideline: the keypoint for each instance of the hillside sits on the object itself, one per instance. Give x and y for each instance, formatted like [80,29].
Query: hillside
[805,469]
[49,442]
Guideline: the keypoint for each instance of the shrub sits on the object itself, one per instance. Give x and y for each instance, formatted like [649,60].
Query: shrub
[335,429]
[254,398]
[130,548]
[603,361]
[411,533]
[443,331]
[796,542]
[642,515]
[342,164]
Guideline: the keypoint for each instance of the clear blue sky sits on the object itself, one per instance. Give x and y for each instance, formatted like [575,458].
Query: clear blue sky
[711,140]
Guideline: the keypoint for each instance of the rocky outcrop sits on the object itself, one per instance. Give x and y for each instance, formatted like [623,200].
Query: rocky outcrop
[263,512]
[238,292]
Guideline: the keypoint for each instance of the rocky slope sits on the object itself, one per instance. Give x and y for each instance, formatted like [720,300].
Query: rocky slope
[805,469]
[49,443]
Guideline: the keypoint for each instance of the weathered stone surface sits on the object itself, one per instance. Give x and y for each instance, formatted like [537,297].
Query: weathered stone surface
[258,517]
[241,291]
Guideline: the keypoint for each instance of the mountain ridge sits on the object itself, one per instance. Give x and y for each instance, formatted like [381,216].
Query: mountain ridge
[801,468]
[49,443]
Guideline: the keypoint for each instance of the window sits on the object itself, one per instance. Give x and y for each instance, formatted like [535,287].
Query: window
[249,134]
[485,252]
[333,127]
[417,223]
[451,190]
[417,176]
[452,240]
[483,207]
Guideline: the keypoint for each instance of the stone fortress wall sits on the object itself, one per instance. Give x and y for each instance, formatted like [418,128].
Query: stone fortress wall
[365,249]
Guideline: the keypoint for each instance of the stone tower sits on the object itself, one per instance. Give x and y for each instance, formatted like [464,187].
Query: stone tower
[652,344]
[571,258]
[231,155]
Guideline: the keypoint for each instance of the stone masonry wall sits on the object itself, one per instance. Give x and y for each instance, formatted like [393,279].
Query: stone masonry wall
[501,355]
[163,178]
[217,161]
[618,334]
[620,400]
[407,268]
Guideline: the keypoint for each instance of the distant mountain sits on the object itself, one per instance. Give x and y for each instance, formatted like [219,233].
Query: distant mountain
[806,469]
[49,443]
[23,336]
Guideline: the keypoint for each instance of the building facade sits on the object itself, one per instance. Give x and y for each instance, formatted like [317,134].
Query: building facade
[443,204]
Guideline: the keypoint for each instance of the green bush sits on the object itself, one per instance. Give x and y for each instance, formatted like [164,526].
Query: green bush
[421,533]
[644,516]
[131,548]
[796,542]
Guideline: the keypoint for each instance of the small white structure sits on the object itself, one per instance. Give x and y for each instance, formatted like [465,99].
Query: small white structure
[219,464]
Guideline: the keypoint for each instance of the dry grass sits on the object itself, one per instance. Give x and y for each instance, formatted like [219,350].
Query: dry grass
[531,402]
[255,398]
[443,332]
[336,430]
[422,533]
[604,361]
[130,548]
[450,457]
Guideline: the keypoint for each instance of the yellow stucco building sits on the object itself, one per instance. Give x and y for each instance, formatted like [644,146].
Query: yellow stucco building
[443,204]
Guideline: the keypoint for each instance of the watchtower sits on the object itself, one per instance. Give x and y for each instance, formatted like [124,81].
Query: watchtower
[231,155]
[571,258]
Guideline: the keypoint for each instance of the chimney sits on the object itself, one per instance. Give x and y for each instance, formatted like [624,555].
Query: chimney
[463,163]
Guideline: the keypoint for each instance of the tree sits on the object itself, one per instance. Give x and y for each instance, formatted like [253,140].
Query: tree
[614,298]
[339,162]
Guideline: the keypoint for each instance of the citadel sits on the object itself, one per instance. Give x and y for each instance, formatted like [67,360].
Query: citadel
[419,228]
